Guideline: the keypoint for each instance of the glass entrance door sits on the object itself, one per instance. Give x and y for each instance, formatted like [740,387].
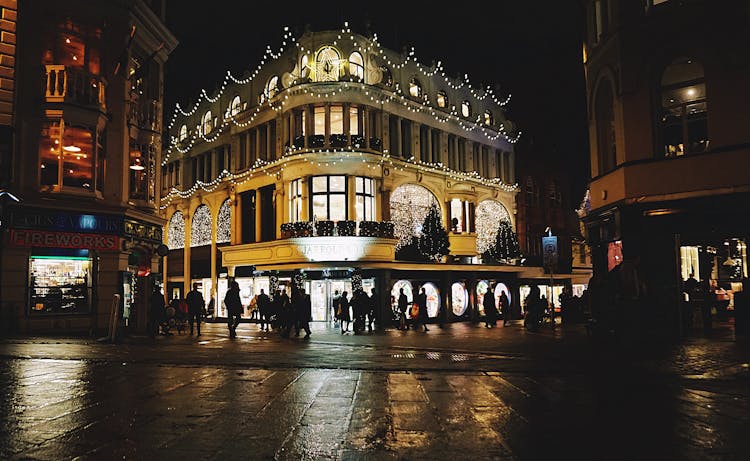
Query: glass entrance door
[319,300]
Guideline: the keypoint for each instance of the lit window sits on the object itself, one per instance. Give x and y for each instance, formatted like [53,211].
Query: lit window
[141,172]
[208,123]
[488,119]
[442,99]
[329,198]
[327,65]
[183,132]
[365,199]
[236,106]
[415,88]
[466,109]
[319,115]
[354,121]
[337,119]
[272,87]
[684,117]
[200,227]
[304,66]
[387,77]
[295,200]
[60,284]
[224,223]
[67,155]
[356,65]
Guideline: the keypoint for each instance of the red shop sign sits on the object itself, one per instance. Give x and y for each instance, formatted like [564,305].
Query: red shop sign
[40,238]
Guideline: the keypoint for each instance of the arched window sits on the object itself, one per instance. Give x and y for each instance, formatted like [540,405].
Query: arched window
[415,88]
[356,65]
[176,231]
[224,223]
[304,66]
[183,133]
[327,65]
[488,216]
[410,204]
[208,123]
[272,87]
[488,118]
[684,117]
[236,106]
[442,99]
[466,109]
[605,127]
[200,227]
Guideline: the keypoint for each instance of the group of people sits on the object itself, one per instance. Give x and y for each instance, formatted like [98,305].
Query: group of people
[493,311]
[364,309]
[191,309]
[282,312]
[418,311]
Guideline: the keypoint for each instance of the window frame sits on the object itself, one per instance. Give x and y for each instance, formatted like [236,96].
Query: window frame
[295,200]
[415,83]
[366,197]
[466,111]
[357,69]
[328,195]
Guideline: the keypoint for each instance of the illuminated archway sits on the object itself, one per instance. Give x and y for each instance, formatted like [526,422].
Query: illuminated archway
[176,231]
[410,204]
[200,228]
[488,216]
[224,223]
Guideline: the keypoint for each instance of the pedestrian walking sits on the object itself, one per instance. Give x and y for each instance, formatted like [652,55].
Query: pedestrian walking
[334,307]
[264,308]
[360,303]
[490,309]
[422,312]
[156,314]
[372,311]
[403,304]
[196,304]
[343,312]
[505,308]
[234,308]
[303,311]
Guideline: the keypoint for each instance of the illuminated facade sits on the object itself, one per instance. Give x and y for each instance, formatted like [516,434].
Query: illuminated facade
[85,130]
[670,148]
[322,165]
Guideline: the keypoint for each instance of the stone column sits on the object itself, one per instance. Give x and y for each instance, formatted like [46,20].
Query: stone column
[186,261]
[257,216]
[351,206]
[305,186]
[279,201]
[214,275]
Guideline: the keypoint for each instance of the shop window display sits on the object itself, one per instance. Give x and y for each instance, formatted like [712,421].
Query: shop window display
[60,284]
[459,299]
[433,299]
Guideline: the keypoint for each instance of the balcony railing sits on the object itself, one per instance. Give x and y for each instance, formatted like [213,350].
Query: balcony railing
[72,85]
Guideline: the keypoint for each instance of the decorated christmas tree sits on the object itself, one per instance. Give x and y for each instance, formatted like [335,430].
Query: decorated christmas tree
[433,243]
[506,244]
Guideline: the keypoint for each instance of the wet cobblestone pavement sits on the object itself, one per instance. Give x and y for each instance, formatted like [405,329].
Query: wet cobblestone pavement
[463,392]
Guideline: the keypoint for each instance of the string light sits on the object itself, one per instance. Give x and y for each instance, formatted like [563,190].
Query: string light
[224,223]
[176,232]
[489,215]
[410,204]
[200,227]
[374,48]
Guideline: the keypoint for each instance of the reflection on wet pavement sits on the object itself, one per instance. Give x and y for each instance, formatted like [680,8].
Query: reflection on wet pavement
[102,410]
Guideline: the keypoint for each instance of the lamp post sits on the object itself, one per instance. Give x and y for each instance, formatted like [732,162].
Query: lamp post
[549,248]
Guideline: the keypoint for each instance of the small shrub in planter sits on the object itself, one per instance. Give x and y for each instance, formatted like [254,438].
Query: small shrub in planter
[338,140]
[324,228]
[358,141]
[376,144]
[369,229]
[346,228]
[386,229]
[302,229]
[286,230]
[315,140]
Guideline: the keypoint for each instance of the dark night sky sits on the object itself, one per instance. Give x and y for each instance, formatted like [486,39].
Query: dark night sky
[530,51]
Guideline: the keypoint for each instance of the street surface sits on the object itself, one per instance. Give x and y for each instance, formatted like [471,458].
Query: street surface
[459,392]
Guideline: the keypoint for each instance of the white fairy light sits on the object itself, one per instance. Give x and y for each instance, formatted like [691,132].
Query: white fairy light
[410,204]
[200,227]
[488,216]
[224,223]
[176,232]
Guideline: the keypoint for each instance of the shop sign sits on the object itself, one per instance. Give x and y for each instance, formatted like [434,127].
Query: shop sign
[40,238]
[344,250]
[143,231]
[31,218]
[549,247]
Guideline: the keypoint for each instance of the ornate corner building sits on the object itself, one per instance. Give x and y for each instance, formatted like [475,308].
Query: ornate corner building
[318,169]
[80,108]
[670,150]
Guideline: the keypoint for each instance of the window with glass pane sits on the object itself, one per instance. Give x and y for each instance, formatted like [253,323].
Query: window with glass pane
[684,117]
[337,119]
[356,65]
[329,198]
[365,199]
[354,121]
[67,155]
[415,88]
[295,200]
[442,99]
[488,119]
[208,123]
[466,109]
[60,284]
[138,172]
[320,120]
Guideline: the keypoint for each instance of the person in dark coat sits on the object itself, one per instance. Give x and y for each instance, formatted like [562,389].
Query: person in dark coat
[264,307]
[403,304]
[156,315]
[303,312]
[343,312]
[505,308]
[422,305]
[360,303]
[234,308]
[372,311]
[196,304]
[490,310]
